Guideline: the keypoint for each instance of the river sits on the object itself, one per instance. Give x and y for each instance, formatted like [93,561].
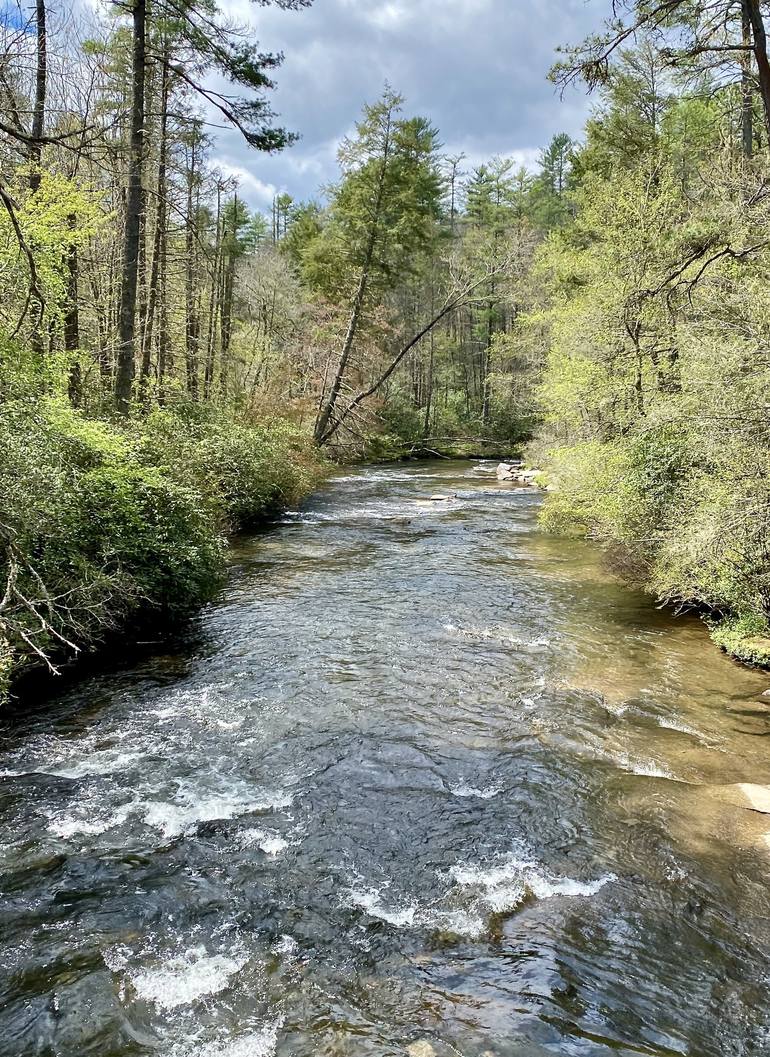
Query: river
[422,781]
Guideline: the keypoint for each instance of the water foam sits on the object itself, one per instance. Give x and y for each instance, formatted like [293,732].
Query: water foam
[644,768]
[369,898]
[174,819]
[70,826]
[186,977]
[505,886]
[487,792]
[479,890]
[677,724]
[286,945]
[270,843]
[256,1044]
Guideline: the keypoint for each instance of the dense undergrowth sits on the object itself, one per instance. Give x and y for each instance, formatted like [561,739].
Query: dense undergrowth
[657,436]
[105,525]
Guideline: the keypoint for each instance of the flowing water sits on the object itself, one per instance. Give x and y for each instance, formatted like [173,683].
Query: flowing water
[422,781]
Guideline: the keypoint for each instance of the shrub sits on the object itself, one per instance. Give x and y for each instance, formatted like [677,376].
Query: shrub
[245,472]
[102,524]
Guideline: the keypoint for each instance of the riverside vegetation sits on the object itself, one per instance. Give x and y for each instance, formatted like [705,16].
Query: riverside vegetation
[175,366]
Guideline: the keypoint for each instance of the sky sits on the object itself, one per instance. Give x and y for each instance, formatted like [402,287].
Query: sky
[476,68]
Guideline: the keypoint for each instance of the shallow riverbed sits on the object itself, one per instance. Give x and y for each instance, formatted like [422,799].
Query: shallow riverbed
[422,777]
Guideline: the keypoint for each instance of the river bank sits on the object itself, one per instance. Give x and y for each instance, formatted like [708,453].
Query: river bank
[423,775]
[114,528]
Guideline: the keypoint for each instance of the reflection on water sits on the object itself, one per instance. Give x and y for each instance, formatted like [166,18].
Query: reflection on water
[425,781]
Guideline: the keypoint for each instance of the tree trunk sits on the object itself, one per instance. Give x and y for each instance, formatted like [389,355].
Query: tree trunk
[192,329]
[486,398]
[72,321]
[747,103]
[331,402]
[429,388]
[159,237]
[753,10]
[359,398]
[38,113]
[320,433]
[228,290]
[124,375]
[226,321]
[216,287]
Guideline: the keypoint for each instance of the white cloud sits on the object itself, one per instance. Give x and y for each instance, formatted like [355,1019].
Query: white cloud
[476,68]
[259,193]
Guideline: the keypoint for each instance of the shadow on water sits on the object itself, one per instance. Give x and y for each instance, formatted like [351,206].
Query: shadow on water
[422,781]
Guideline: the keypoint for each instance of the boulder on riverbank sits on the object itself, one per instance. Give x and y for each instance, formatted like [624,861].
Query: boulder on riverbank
[509,471]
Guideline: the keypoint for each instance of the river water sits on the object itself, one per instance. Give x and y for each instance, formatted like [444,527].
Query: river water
[422,781]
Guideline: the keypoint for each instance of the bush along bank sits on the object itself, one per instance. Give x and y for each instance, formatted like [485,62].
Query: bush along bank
[107,527]
[694,536]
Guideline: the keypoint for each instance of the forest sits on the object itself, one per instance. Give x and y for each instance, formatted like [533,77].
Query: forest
[175,367]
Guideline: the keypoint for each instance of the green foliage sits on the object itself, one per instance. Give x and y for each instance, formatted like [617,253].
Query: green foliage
[60,216]
[654,396]
[746,638]
[390,171]
[247,472]
[100,525]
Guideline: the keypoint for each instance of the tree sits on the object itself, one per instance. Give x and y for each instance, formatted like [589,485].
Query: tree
[383,214]
[689,36]
[201,44]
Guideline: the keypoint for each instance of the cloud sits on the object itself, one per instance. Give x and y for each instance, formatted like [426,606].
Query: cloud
[258,193]
[476,68]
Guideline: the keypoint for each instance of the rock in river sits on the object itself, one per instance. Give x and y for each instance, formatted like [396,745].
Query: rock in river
[508,471]
[421,1049]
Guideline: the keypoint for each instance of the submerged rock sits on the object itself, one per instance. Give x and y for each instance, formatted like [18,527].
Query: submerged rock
[760,708]
[743,794]
[422,1048]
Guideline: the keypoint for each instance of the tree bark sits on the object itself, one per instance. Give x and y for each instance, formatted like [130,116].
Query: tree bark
[38,113]
[747,107]
[216,287]
[228,290]
[486,398]
[159,236]
[449,305]
[192,327]
[124,375]
[72,321]
[327,410]
[754,12]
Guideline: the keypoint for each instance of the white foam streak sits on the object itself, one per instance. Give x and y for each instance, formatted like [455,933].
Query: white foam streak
[270,843]
[174,819]
[487,792]
[256,1044]
[483,890]
[70,826]
[677,724]
[505,886]
[186,978]
[644,768]
[370,900]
